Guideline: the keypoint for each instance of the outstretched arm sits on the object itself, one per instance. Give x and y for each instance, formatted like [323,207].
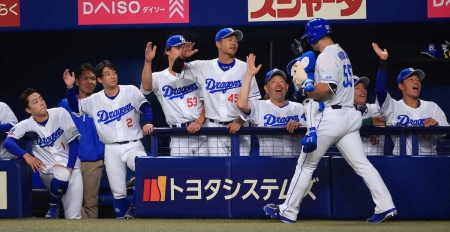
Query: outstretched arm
[147,70]
[186,51]
[252,70]
[381,75]
[70,91]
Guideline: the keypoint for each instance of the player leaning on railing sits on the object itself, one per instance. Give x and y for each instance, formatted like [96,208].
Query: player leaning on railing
[410,111]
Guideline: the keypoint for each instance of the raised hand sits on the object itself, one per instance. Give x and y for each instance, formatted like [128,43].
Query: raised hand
[383,54]
[251,68]
[69,79]
[186,50]
[150,52]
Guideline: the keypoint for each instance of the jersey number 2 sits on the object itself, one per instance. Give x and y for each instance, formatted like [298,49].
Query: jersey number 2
[129,122]
[348,74]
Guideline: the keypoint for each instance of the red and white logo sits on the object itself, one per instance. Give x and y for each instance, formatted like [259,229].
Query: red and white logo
[284,10]
[438,8]
[9,13]
[98,12]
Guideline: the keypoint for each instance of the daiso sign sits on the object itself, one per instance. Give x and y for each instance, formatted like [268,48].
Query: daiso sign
[98,12]
[438,8]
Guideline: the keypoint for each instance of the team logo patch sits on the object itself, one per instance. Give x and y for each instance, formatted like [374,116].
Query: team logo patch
[216,86]
[171,92]
[404,120]
[114,115]
[272,120]
[50,140]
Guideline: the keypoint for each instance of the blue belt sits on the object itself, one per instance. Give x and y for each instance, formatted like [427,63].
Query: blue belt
[185,124]
[125,142]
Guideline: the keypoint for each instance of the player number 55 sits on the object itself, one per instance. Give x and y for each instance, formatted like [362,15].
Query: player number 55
[348,74]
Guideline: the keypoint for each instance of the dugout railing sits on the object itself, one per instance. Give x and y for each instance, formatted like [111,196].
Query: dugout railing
[402,132]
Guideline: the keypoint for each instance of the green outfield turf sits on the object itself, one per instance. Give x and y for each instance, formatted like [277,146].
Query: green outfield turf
[215,225]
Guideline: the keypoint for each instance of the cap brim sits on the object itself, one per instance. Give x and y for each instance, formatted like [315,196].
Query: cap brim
[364,80]
[277,72]
[303,36]
[419,73]
[239,34]
[427,54]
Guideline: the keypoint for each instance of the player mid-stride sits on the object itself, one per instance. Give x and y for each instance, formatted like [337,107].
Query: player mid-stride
[55,153]
[115,111]
[338,124]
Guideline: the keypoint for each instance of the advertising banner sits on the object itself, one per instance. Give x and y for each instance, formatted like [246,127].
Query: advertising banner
[223,187]
[98,12]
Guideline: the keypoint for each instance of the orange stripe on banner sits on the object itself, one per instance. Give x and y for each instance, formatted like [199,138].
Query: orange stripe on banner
[146,195]
[154,193]
[162,187]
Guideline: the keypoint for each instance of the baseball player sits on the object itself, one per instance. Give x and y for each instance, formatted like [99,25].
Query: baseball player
[338,124]
[220,81]
[7,121]
[275,112]
[115,111]
[179,98]
[55,153]
[410,111]
[91,149]
[373,144]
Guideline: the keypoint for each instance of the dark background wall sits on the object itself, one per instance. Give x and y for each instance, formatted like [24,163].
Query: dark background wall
[38,59]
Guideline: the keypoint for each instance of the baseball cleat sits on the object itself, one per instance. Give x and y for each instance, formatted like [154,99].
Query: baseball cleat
[274,212]
[53,212]
[130,214]
[380,217]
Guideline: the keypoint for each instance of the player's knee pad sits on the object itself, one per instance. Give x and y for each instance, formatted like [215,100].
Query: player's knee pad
[61,173]
[58,187]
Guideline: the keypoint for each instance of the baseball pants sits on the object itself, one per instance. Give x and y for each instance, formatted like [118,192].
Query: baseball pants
[221,145]
[117,158]
[340,127]
[72,199]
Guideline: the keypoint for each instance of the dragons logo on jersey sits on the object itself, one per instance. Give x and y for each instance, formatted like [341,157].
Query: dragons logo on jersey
[115,115]
[404,120]
[272,120]
[172,93]
[217,86]
[50,140]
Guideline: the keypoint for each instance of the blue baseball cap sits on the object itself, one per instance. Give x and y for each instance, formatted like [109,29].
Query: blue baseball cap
[274,72]
[432,50]
[405,73]
[175,40]
[227,32]
[363,79]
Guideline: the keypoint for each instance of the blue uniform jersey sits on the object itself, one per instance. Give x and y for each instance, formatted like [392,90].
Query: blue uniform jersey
[91,148]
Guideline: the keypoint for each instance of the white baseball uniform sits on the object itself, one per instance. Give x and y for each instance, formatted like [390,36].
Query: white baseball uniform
[117,124]
[51,148]
[180,101]
[397,113]
[220,90]
[263,113]
[6,116]
[373,144]
[338,124]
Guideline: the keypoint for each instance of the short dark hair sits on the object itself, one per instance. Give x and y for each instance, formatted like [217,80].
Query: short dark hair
[85,67]
[99,68]
[23,99]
